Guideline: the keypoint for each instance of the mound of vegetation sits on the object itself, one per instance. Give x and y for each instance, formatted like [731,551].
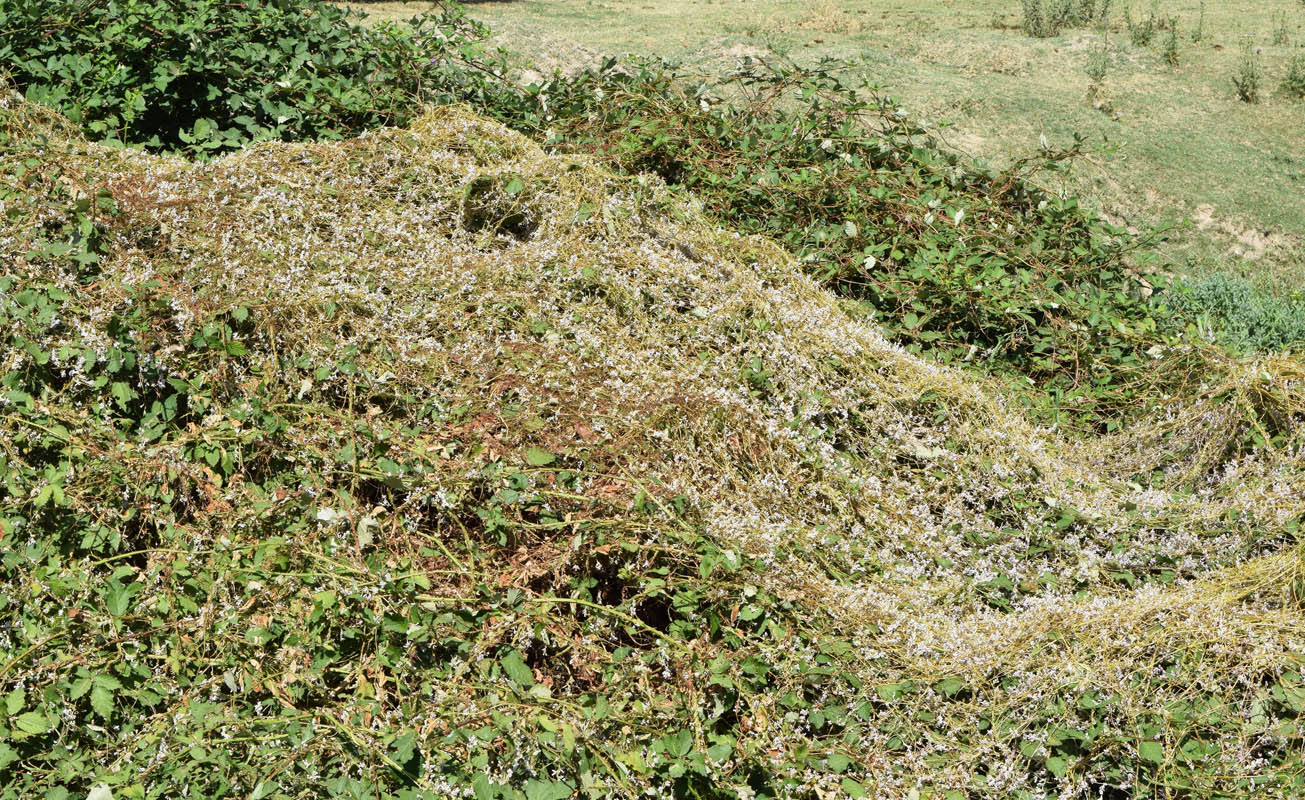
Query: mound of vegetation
[956,261]
[427,464]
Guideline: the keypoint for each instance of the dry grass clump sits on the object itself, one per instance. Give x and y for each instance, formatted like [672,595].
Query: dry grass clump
[829,17]
[462,359]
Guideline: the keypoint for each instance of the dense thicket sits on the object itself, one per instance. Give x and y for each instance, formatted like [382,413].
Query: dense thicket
[427,463]
[206,76]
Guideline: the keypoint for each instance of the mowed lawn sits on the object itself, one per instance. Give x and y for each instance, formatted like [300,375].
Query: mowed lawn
[1173,144]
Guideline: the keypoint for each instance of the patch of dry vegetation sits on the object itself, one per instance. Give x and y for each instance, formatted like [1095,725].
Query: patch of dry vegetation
[487,471]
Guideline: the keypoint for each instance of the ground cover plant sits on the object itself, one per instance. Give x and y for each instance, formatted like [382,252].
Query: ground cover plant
[432,463]
[521,479]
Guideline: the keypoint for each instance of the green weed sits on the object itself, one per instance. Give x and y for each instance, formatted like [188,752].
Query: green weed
[1142,31]
[328,489]
[1046,18]
[1249,73]
[1293,83]
[1281,33]
[1170,53]
[429,464]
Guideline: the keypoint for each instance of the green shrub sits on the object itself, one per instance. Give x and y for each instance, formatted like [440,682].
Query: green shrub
[1249,72]
[1141,32]
[1293,84]
[1098,66]
[1045,18]
[1171,44]
[206,76]
[1281,33]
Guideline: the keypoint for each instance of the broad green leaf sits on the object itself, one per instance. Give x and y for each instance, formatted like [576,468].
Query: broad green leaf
[81,687]
[548,790]
[33,723]
[404,747]
[108,682]
[1152,751]
[681,743]
[536,457]
[14,701]
[892,691]
[516,668]
[102,700]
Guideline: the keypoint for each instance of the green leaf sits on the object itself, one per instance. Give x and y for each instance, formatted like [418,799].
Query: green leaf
[32,723]
[481,788]
[1152,751]
[514,186]
[892,691]
[14,701]
[548,790]
[681,743]
[102,700]
[7,755]
[1058,766]
[838,762]
[853,788]
[516,668]
[536,457]
[1294,697]
[404,747]
[81,687]
[108,682]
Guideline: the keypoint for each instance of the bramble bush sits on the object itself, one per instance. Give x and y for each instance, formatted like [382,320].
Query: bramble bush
[208,76]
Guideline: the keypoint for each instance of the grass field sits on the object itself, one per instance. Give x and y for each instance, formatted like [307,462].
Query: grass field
[1177,143]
